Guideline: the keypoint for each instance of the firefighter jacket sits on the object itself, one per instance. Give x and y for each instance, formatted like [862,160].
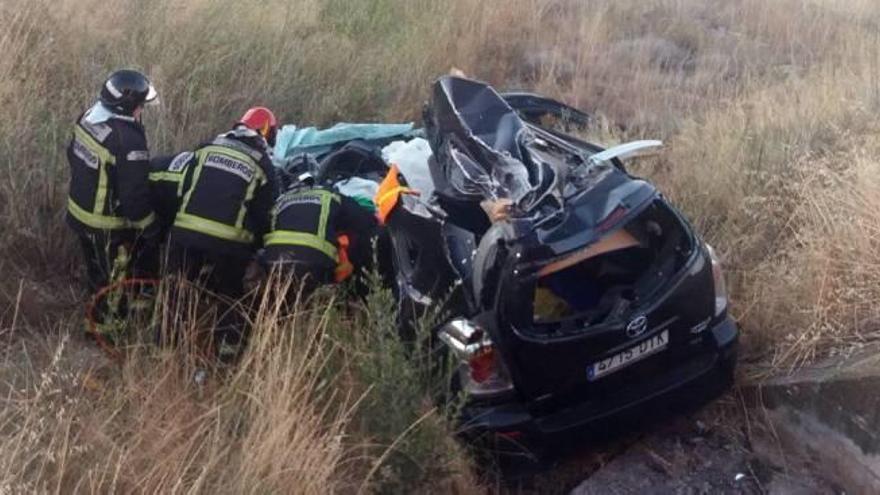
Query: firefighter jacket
[232,187]
[109,165]
[168,181]
[306,226]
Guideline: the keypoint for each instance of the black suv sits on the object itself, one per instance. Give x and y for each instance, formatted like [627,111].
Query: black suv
[575,290]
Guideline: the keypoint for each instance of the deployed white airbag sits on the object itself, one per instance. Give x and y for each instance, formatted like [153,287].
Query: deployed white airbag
[411,158]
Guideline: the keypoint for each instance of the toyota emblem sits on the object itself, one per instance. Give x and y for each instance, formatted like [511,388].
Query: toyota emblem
[637,327]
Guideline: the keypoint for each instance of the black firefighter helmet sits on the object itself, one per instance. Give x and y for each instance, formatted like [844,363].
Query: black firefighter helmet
[125,90]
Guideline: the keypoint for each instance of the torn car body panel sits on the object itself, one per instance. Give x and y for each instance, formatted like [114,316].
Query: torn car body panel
[539,109]
[476,137]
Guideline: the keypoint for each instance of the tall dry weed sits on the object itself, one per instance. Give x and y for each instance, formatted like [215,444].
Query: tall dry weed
[287,418]
[269,425]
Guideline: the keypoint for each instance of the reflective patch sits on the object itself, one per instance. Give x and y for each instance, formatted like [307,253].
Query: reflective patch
[298,198]
[180,161]
[230,165]
[222,140]
[137,155]
[90,159]
[112,89]
[98,131]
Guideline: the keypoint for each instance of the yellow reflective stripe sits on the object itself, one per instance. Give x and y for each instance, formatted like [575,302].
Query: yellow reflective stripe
[105,222]
[275,215]
[169,177]
[249,195]
[166,176]
[93,220]
[104,158]
[144,222]
[101,191]
[290,238]
[325,212]
[212,228]
[95,147]
[195,180]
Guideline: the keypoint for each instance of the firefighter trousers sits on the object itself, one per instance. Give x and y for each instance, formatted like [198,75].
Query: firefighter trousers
[223,276]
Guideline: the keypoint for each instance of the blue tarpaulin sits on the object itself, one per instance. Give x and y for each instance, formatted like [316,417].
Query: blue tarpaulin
[293,140]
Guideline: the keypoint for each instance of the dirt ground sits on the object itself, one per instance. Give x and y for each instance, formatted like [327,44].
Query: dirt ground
[720,449]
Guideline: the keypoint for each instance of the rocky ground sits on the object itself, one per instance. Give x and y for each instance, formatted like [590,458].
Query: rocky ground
[721,449]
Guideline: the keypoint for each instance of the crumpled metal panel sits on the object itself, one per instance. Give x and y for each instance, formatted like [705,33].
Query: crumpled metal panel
[477,139]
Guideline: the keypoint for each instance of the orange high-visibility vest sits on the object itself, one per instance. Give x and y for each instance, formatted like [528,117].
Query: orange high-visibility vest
[389,192]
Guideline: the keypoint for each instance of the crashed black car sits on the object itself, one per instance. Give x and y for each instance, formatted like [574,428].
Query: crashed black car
[573,291]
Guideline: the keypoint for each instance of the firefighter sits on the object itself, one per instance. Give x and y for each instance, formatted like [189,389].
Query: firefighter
[223,215]
[318,236]
[108,205]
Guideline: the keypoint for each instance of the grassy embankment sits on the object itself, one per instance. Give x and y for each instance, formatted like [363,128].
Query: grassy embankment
[768,109]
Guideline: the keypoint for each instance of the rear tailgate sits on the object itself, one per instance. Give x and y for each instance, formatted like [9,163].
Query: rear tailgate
[555,370]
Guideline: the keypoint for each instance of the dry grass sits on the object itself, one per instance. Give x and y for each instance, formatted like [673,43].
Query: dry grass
[769,109]
[295,415]
[271,425]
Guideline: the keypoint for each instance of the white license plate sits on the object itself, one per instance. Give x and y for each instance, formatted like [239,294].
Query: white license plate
[621,360]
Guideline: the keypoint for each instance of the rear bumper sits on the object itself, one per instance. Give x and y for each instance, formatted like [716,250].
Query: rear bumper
[710,372]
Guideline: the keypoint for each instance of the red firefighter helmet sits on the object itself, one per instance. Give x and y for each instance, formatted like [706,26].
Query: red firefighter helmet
[262,120]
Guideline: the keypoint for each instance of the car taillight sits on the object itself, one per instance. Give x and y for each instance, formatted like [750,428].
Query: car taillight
[482,365]
[481,371]
[720,284]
